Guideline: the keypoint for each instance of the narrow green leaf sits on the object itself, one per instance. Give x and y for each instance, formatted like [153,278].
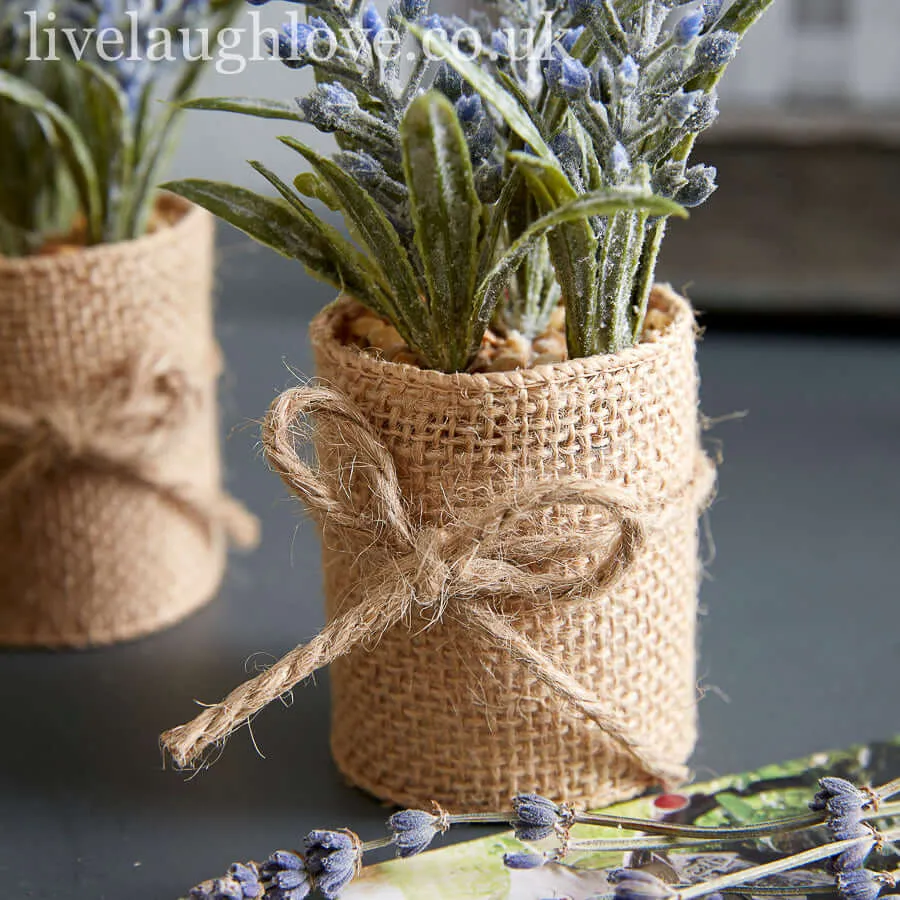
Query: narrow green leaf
[597,203]
[509,108]
[377,233]
[446,213]
[271,222]
[360,277]
[72,145]
[573,246]
[246,106]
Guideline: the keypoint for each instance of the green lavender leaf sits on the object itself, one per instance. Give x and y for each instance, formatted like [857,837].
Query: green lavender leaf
[261,109]
[275,224]
[361,277]
[446,214]
[72,146]
[581,208]
[377,233]
[573,247]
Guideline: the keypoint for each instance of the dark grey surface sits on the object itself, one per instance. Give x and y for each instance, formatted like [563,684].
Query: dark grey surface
[800,635]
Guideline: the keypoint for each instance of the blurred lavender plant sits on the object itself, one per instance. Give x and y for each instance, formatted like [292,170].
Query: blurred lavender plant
[81,135]
[333,858]
[422,180]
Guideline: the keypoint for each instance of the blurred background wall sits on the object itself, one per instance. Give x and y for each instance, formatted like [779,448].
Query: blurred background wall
[808,215]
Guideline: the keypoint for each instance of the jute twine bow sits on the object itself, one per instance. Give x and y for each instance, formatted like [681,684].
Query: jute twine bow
[124,430]
[464,569]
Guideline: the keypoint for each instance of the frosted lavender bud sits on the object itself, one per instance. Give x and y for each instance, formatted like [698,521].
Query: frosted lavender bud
[328,106]
[414,830]
[284,876]
[332,858]
[413,9]
[863,884]
[537,817]
[701,182]
[634,884]
[712,9]
[449,82]
[714,51]
[854,858]
[681,106]
[372,22]
[524,860]
[226,889]
[627,75]
[570,37]
[567,76]
[669,178]
[688,28]
[477,126]
[705,114]
[619,160]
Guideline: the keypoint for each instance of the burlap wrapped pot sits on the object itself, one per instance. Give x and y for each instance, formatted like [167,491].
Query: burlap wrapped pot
[431,713]
[112,520]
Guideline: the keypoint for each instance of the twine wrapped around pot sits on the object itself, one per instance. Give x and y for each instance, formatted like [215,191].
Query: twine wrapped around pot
[511,571]
[112,519]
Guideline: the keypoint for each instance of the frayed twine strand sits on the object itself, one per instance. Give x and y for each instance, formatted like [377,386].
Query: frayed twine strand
[464,569]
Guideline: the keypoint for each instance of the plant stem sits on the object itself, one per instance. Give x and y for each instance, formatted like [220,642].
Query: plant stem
[745,876]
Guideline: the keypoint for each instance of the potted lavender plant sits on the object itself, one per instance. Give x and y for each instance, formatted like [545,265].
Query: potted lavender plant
[509,470]
[113,520]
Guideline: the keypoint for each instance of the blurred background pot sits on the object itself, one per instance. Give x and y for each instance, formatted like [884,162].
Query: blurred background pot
[112,520]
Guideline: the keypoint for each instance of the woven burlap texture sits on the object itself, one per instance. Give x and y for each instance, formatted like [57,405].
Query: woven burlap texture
[88,556]
[428,714]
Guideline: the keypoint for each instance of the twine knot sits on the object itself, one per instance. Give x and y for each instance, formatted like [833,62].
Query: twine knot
[132,416]
[478,566]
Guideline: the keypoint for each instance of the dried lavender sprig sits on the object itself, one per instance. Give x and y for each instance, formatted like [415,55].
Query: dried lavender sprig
[785,864]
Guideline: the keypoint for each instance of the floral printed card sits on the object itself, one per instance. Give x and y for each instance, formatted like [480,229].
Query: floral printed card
[475,870]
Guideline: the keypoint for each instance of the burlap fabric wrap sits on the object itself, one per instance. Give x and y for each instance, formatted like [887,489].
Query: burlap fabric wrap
[431,714]
[510,570]
[112,520]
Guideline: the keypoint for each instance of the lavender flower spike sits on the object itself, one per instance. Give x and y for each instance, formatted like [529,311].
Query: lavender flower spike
[332,858]
[285,877]
[414,829]
[863,884]
[538,817]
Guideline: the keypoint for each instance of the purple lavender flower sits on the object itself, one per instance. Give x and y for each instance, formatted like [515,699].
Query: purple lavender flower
[627,75]
[863,884]
[524,860]
[567,76]
[712,9]
[372,22]
[414,830]
[688,28]
[285,877]
[537,817]
[332,859]
[854,858]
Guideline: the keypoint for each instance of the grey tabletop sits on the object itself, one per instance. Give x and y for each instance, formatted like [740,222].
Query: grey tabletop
[800,632]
